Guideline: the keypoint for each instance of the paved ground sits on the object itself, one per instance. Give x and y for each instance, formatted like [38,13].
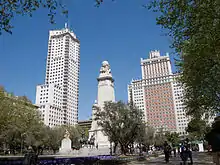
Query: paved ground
[198,159]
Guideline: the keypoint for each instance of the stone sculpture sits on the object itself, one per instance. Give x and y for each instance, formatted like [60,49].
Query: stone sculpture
[66,144]
[105,69]
[106,92]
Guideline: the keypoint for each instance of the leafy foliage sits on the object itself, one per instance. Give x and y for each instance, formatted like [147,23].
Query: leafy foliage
[197,129]
[122,123]
[216,124]
[172,137]
[159,138]
[151,137]
[194,27]
[20,126]
[10,8]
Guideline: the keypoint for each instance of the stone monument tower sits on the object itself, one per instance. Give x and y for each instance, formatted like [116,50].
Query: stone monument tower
[105,93]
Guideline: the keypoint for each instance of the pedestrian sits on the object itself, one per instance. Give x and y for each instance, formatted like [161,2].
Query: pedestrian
[178,150]
[31,157]
[174,151]
[189,150]
[186,152]
[167,150]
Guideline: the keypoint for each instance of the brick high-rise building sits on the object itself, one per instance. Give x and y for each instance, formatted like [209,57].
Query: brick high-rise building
[157,94]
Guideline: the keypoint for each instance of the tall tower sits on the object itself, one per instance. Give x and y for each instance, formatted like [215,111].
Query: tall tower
[158,90]
[58,97]
[154,92]
[106,92]
[159,94]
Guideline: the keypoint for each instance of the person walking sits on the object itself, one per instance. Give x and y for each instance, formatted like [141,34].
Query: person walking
[167,150]
[186,152]
[30,158]
[188,149]
[174,150]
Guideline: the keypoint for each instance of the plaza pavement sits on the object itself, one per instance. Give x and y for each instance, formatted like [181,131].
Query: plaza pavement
[198,159]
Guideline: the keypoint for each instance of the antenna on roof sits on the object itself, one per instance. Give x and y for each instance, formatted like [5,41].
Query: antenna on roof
[66,26]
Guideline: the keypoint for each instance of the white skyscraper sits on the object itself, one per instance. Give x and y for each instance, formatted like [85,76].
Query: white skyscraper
[58,97]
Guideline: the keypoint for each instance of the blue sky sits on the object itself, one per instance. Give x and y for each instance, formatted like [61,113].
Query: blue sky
[121,32]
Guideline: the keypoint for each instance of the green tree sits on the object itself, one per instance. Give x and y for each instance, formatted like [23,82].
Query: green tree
[21,126]
[216,124]
[83,133]
[197,129]
[212,135]
[74,136]
[194,29]
[20,123]
[159,137]
[146,136]
[10,8]
[6,107]
[55,136]
[120,122]
[172,137]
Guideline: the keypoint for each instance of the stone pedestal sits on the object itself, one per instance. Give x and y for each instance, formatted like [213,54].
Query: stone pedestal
[66,146]
[201,147]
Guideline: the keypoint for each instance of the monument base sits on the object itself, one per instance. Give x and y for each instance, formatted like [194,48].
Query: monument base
[66,147]
[101,141]
[100,138]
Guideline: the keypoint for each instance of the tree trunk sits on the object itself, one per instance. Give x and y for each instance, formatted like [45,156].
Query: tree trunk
[123,149]
[41,151]
[115,147]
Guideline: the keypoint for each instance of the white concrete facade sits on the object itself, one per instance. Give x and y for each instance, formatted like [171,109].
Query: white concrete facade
[181,119]
[62,73]
[49,101]
[136,96]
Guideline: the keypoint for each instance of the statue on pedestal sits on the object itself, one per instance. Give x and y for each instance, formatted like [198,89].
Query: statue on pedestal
[105,69]
[66,144]
[92,141]
[67,134]
[106,93]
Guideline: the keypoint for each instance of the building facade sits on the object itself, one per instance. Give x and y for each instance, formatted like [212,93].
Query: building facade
[181,119]
[58,97]
[136,95]
[159,94]
[85,124]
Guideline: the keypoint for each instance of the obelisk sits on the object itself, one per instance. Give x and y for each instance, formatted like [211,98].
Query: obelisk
[106,93]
